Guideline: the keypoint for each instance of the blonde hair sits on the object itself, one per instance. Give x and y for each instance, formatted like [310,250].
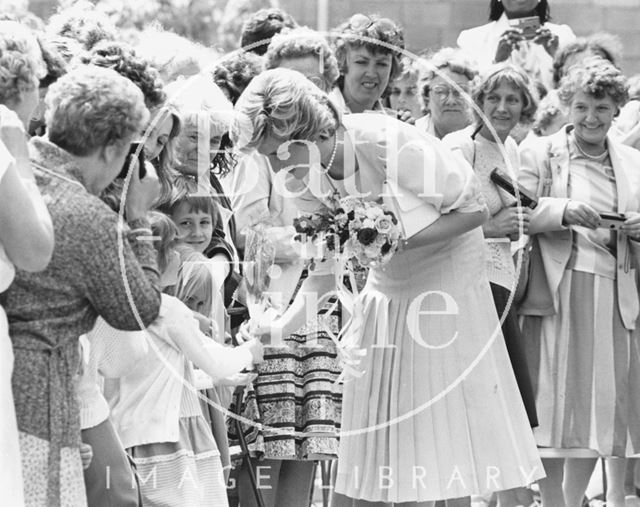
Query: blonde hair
[21,63]
[284,104]
[194,278]
[165,234]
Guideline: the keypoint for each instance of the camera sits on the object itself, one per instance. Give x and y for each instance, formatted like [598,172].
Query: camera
[128,161]
[528,25]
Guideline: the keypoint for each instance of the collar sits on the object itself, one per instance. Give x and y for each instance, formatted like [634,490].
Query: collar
[50,156]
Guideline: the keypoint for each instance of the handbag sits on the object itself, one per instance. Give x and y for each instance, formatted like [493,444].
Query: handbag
[532,288]
[413,213]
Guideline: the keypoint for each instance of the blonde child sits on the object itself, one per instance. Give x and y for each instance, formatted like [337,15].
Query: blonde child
[155,408]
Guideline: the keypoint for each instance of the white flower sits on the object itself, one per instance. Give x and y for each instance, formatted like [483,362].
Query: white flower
[372,251]
[383,224]
[369,223]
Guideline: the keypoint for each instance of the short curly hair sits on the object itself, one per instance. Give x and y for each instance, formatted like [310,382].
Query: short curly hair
[258,30]
[83,23]
[55,62]
[123,58]
[284,104]
[299,43]
[598,78]
[604,45]
[516,77]
[350,35]
[20,61]
[235,71]
[92,107]
[452,59]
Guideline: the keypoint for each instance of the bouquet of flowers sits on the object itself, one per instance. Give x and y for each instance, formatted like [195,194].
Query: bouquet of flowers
[356,229]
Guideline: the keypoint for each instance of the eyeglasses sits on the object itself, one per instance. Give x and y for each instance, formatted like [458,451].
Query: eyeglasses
[443,91]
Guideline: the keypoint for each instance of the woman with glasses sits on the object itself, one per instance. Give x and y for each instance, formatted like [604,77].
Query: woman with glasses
[503,39]
[366,66]
[505,97]
[445,87]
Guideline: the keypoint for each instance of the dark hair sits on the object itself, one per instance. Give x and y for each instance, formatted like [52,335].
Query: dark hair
[542,10]
[604,45]
[56,65]
[122,58]
[234,72]
[83,23]
[182,192]
[350,33]
[262,26]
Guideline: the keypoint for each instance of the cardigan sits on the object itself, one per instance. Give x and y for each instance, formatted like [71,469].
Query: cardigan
[555,239]
[49,310]
[145,404]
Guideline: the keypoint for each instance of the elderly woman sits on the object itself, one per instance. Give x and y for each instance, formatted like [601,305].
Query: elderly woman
[501,40]
[97,429]
[21,209]
[92,116]
[578,329]
[366,68]
[445,90]
[390,425]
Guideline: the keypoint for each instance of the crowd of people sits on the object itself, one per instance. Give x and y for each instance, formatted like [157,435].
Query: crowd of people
[158,308]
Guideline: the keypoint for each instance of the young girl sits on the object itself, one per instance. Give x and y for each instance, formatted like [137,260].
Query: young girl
[155,408]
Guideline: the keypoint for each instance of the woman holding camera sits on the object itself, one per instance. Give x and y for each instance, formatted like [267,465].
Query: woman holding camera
[578,326]
[513,34]
[99,266]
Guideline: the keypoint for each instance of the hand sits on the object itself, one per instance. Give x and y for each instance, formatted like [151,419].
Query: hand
[405,116]
[631,226]
[86,455]
[507,223]
[238,379]
[581,214]
[257,350]
[141,192]
[14,138]
[547,40]
[508,41]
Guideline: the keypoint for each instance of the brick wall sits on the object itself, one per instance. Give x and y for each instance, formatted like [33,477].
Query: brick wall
[436,23]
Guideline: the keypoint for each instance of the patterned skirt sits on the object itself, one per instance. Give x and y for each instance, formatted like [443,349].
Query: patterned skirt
[295,403]
[186,473]
[35,470]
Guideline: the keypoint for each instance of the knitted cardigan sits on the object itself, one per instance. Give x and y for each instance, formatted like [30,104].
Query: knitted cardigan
[97,268]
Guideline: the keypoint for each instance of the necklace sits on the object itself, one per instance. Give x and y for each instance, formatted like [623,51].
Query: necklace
[333,154]
[598,157]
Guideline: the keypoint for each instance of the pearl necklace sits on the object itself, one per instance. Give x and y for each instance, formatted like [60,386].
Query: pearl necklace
[598,158]
[333,154]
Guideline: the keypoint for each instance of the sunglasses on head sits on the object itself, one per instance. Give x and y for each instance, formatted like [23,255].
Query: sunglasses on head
[364,22]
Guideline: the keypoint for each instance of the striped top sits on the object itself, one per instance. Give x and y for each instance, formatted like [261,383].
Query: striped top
[593,182]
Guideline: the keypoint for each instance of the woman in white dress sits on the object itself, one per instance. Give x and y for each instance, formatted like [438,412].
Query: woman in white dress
[437,413]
